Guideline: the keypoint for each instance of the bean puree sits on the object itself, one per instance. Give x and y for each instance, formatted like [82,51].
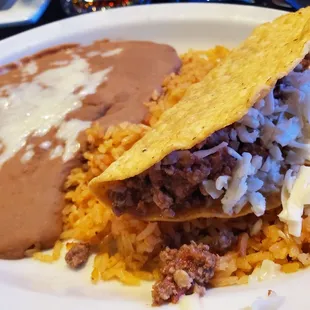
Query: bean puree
[110,81]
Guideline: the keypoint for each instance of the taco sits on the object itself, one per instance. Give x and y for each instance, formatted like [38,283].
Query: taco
[237,142]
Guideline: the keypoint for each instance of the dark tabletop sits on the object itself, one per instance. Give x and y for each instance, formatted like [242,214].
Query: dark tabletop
[54,12]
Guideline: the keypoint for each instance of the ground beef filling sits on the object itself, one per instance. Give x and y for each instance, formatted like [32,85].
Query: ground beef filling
[176,181]
[183,271]
[78,255]
[305,63]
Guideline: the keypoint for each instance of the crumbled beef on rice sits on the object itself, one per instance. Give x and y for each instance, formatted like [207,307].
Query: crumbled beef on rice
[183,271]
[78,255]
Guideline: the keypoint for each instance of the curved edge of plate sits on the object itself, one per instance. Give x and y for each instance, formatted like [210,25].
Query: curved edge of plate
[62,31]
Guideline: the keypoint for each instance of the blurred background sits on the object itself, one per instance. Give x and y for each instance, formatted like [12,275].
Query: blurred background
[20,15]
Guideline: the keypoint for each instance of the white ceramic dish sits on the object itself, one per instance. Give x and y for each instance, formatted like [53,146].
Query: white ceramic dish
[22,12]
[29,285]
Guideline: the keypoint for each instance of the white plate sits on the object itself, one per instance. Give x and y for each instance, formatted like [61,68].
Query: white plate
[30,285]
[23,12]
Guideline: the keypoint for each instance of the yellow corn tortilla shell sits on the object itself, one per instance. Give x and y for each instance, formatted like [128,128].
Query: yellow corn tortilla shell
[223,97]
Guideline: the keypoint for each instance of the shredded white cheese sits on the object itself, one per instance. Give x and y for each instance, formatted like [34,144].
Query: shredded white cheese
[238,184]
[210,188]
[295,195]
[205,153]
[276,123]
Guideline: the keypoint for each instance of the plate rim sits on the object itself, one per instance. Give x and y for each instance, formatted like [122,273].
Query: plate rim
[34,39]
[147,7]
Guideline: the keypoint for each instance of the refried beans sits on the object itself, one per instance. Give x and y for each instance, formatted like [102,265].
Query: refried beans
[73,86]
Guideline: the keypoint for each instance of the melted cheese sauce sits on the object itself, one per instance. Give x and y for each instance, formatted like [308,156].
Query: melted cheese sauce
[33,108]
